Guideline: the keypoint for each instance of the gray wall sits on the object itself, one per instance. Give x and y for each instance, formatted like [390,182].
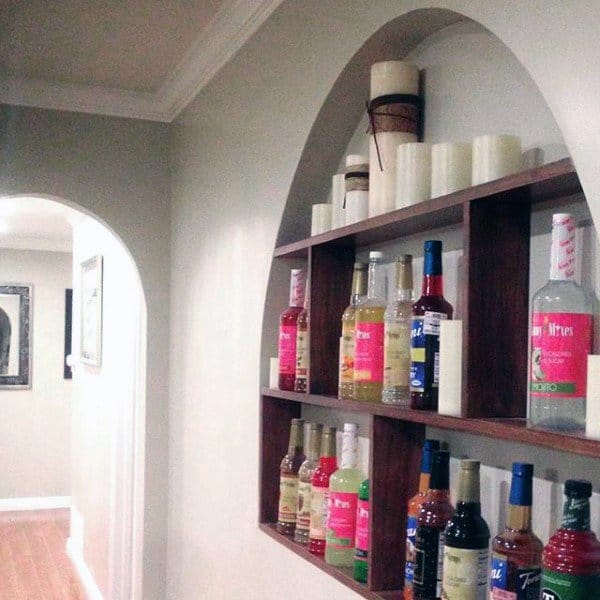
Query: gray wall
[117,170]
[235,154]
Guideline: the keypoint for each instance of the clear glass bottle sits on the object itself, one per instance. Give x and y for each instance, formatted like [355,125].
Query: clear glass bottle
[397,329]
[561,338]
[343,502]
[368,359]
[288,479]
[305,474]
[359,290]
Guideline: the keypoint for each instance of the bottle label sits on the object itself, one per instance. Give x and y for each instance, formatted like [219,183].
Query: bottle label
[511,582]
[302,354]
[318,512]
[341,520]
[396,355]
[560,343]
[362,530]
[576,514]
[368,357]
[425,351]
[562,586]
[303,506]
[409,564]
[347,358]
[288,498]
[287,349]
[465,574]
[429,562]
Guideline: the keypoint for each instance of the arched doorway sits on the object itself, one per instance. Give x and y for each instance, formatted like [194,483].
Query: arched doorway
[107,408]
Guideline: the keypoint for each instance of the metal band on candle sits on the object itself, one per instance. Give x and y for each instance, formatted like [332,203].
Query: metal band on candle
[394,112]
[356,179]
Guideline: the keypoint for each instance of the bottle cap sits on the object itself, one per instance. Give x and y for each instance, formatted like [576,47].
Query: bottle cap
[578,488]
[298,422]
[316,426]
[440,475]
[469,465]
[429,447]
[433,246]
[522,470]
[404,258]
[375,255]
[360,266]
[521,487]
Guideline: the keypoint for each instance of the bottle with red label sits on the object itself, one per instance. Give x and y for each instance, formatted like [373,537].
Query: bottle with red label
[320,492]
[369,334]
[361,554]
[571,560]
[561,338]
[343,502]
[288,331]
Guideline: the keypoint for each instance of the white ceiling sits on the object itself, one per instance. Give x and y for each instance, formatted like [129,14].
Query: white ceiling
[146,59]
[36,224]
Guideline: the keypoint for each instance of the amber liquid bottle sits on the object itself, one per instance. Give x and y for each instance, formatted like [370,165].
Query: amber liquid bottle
[359,290]
[288,332]
[571,560]
[466,541]
[517,552]
[414,506]
[288,479]
[320,492]
[434,515]
[428,311]
[302,349]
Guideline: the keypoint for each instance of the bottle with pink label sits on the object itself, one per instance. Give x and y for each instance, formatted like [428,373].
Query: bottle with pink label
[361,555]
[369,334]
[288,331]
[343,503]
[561,338]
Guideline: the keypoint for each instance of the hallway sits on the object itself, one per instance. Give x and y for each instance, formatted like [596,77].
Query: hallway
[33,561]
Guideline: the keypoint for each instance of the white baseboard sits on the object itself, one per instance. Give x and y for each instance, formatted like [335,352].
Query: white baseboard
[43,503]
[90,589]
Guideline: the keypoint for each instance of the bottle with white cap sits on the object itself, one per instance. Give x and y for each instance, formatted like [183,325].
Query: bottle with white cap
[343,502]
[369,334]
[561,338]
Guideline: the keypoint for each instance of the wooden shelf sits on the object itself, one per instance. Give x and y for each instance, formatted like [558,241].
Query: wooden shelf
[342,575]
[554,180]
[513,430]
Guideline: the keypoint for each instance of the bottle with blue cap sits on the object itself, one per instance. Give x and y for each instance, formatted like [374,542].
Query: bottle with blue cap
[517,551]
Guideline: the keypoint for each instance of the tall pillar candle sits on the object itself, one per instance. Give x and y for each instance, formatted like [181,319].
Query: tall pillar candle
[274,372]
[357,189]
[495,156]
[321,219]
[592,404]
[338,193]
[450,390]
[394,120]
[450,168]
[413,173]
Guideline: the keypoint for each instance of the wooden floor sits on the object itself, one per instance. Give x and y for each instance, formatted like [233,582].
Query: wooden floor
[33,561]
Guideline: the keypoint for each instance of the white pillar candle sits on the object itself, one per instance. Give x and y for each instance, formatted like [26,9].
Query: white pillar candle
[357,206]
[450,168]
[353,160]
[450,390]
[338,192]
[382,183]
[495,156]
[413,173]
[274,373]
[592,405]
[394,77]
[321,219]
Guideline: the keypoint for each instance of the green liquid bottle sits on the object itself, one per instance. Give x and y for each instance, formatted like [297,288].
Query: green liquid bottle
[361,556]
[369,335]
[343,502]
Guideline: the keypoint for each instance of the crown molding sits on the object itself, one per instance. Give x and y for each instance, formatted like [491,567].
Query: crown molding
[235,22]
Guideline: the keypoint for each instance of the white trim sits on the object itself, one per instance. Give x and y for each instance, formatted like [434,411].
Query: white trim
[85,576]
[42,503]
[235,22]
[31,243]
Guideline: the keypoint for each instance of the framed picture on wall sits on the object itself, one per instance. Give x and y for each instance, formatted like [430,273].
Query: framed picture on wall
[67,371]
[91,311]
[15,336]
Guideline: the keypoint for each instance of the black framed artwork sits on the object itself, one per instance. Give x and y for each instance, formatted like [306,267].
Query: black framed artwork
[68,372]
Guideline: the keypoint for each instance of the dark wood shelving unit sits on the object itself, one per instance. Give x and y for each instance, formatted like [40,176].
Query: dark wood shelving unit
[495,220]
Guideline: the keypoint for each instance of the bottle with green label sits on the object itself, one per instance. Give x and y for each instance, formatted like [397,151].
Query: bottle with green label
[467,540]
[361,556]
[571,560]
[305,474]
